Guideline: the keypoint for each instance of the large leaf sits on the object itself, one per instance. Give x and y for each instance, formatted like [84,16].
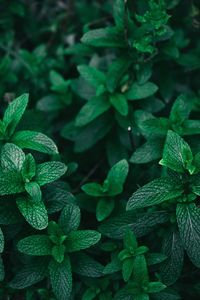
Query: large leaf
[12,158]
[81,239]
[49,172]
[70,218]
[155,192]
[188,218]
[35,141]
[11,183]
[36,245]
[171,268]
[61,278]
[34,212]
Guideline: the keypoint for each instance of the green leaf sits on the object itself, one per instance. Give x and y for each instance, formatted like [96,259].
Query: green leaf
[155,287]
[130,241]
[36,245]
[85,265]
[116,177]
[171,268]
[119,102]
[49,172]
[34,140]
[35,213]
[11,183]
[12,158]
[140,271]
[119,13]
[127,268]
[149,151]
[94,107]
[70,218]
[2,271]
[155,192]
[110,37]
[61,278]
[58,252]
[33,189]
[14,113]
[137,92]
[155,127]
[30,274]
[1,241]
[104,208]
[81,239]
[93,189]
[116,71]
[190,127]
[188,218]
[29,167]
[155,258]
[92,75]
[181,109]
[177,154]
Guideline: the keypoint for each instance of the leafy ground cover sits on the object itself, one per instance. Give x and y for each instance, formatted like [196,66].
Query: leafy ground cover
[99,150]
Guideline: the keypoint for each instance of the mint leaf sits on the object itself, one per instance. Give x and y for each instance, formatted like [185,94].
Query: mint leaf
[155,192]
[85,265]
[188,218]
[14,113]
[33,189]
[94,107]
[70,218]
[177,154]
[119,13]
[12,158]
[34,140]
[92,75]
[34,212]
[28,168]
[49,172]
[30,274]
[137,92]
[104,208]
[93,189]
[1,241]
[181,109]
[116,177]
[11,183]
[81,239]
[61,278]
[119,102]
[37,245]
[58,252]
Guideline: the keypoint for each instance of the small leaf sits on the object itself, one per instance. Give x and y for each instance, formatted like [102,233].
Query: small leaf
[116,177]
[93,189]
[92,109]
[14,113]
[119,102]
[1,241]
[29,167]
[49,172]
[33,189]
[104,208]
[34,212]
[155,192]
[127,268]
[92,75]
[58,252]
[61,278]
[137,92]
[155,287]
[81,239]
[130,241]
[181,109]
[37,245]
[34,140]
[177,154]
[85,265]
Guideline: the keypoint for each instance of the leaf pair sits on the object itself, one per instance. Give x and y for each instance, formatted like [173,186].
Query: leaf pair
[112,186]
[25,138]
[20,173]
[62,240]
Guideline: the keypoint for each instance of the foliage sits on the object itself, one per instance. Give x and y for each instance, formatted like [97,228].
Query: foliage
[99,150]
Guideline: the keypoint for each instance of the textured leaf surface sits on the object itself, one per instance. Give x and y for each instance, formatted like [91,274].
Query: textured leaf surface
[92,75]
[155,192]
[12,158]
[61,278]
[35,213]
[137,92]
[49,172]
[81,239]
[188,218]
[70,218]
[1,241]
[85,265]
[35,141]
[36,245]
